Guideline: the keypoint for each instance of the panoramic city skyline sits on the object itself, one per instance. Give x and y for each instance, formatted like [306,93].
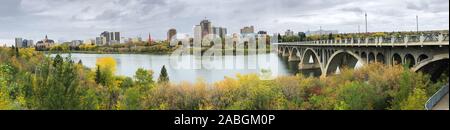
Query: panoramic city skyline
[65,20]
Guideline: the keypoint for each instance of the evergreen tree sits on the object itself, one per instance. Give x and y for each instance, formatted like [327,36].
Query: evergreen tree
[163,77]
[280,39]
[98,75]
[330,36]
[17,51]
[57,61]
[13,51]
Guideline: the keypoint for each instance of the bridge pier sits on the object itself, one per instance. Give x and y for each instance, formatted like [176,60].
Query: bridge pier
[308,66]
[294,58]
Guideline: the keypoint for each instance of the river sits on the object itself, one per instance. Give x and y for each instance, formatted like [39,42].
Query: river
[191,68]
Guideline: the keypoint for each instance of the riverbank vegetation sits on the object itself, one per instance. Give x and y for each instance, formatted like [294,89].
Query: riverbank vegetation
[31,81]
[158,47]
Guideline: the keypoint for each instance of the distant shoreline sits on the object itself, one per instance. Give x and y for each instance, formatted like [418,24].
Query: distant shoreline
[240,52]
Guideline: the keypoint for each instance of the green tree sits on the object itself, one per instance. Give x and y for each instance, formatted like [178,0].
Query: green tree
[90,100]
[98,75]
[57,61]
[403,91]
[127,82]
[358,96]
[17,52]
[415,101]
[302,36]
[57,85]
[330,36]
[163,77]
[144,78]
[280,38]
[130,100]
[5,102]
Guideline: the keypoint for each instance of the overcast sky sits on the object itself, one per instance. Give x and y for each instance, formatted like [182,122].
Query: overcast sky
[83,19]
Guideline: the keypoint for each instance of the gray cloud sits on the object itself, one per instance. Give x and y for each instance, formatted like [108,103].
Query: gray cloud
[10,8]
[83,19]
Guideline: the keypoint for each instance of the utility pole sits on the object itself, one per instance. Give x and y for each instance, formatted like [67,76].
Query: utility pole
[366,21]
[417,23]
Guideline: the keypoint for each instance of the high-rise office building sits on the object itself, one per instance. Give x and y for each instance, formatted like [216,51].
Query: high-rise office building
[98,41]
[117,37]
[18,42]
[197,34]
[106,37]
[222,32]
[206,27]
[171,34]
[27,43]
[109,38]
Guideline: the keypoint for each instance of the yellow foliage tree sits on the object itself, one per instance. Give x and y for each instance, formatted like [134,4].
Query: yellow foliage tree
[107,63]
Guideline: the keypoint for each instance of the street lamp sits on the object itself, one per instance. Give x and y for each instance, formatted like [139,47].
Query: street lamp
[417,23]
[366,21]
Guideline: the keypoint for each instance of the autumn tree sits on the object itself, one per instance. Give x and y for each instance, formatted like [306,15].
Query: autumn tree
[107,68]
[415,101]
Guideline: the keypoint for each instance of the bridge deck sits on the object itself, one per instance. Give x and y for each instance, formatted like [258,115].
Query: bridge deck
[442,104]
[365,44]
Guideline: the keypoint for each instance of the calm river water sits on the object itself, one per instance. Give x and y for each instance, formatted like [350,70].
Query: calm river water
[191,68]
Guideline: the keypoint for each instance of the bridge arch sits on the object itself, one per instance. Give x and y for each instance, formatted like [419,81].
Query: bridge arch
[308,53]
[396,59]
[364,56]
[409,60]
[371,57]
[294,55]
[380,58]
[285,51]
[342,59]
[421,58]
[310,60]
[435,66]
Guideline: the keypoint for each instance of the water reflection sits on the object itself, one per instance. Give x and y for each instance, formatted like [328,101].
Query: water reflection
[191,68]
[293,68]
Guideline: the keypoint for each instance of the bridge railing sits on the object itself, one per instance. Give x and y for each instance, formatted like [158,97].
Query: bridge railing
[422,39]
[436,97]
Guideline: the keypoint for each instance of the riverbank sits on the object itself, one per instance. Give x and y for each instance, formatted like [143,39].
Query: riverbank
[101,52]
